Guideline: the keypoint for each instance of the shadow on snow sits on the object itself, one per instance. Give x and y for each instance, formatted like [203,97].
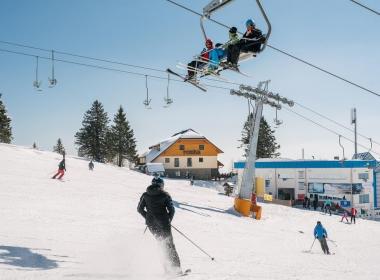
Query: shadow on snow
[25,258]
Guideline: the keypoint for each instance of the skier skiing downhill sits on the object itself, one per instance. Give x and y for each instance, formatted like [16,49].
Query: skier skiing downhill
[61,170]
[321,233]
[344,216]
[157,208]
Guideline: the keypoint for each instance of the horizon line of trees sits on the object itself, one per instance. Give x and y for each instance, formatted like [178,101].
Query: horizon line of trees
[102,142]
[5,124]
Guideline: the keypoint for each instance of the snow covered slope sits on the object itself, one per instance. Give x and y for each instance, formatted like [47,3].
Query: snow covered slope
[87,227]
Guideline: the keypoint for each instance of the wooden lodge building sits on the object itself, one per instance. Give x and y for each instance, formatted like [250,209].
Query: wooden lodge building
[185,154]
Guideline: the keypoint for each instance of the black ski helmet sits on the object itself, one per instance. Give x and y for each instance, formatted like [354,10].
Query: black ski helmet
[158,181]
[233,30]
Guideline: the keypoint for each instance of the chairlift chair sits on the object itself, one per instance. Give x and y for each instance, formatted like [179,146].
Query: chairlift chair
[277,121]
[52,81]
[202,71]
[147,100]
[215,5]
[167,99]
[37,83]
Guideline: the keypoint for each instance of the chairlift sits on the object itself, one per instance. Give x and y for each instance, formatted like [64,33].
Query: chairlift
[202,71]
[215,5]
[167,99]
[37,83]
[276,120]
[147,100]
[52,80]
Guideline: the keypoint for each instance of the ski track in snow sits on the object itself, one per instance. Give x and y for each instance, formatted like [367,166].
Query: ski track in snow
[87,227]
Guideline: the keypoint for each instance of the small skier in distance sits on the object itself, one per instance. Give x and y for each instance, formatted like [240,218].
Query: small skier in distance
[321,234]
[61,170]
[91,166]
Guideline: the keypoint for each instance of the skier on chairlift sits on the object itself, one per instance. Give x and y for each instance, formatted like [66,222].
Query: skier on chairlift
[200,61]
[250,42]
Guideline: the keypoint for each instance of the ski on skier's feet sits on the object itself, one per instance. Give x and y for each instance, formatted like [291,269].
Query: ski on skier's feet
[310,252]
[235,68]
[190,81]
[203,72]
[180,274]
[184,273]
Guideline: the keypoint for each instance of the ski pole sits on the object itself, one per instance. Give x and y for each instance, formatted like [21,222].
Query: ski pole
[212,258]
[145,229]
[312,244]
[332,241]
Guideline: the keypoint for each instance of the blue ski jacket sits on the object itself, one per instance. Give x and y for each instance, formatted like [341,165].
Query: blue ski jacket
[320,231]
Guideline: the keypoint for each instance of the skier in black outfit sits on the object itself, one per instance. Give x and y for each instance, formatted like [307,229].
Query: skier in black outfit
[250,42]
[315,202]
[157,208]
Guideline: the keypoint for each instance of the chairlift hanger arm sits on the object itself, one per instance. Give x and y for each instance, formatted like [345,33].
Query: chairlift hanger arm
[213,6]
[217,4]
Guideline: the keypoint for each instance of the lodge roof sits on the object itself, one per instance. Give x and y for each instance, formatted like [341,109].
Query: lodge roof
[159,148]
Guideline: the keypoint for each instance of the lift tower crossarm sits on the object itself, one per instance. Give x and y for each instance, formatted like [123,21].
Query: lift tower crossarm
[262,97]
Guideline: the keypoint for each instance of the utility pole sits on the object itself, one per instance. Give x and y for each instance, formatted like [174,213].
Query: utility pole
[262,96]
[354,122]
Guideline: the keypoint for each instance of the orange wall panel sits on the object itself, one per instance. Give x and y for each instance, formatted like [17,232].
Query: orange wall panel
[192,148]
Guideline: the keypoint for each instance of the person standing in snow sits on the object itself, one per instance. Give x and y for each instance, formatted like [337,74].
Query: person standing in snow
[156,206]
[353,215]
[91,166]
[321,233]
[61,170]
[328,203]
[315,202]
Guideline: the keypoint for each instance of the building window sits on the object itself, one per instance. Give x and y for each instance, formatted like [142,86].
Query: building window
[267,183]
[178,173]
[176,162]
[182,147]
[167,160]
[201,147]
[201,159]
[189,162]
[364,198]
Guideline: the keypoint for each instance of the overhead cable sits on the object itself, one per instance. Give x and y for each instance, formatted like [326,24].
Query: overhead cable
[164,78]
[330,130]
[103,67]
[284,52]
[333,121]
[365,7]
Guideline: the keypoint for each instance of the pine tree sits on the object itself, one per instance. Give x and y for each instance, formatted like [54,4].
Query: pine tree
[266,145]
[122,138]
[59,147]
[5,125]
[91,138]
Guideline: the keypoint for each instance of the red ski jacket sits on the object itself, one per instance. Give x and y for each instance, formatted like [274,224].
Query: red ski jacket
[353,211]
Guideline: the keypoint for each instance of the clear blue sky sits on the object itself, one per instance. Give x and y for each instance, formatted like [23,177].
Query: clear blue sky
[334,34]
